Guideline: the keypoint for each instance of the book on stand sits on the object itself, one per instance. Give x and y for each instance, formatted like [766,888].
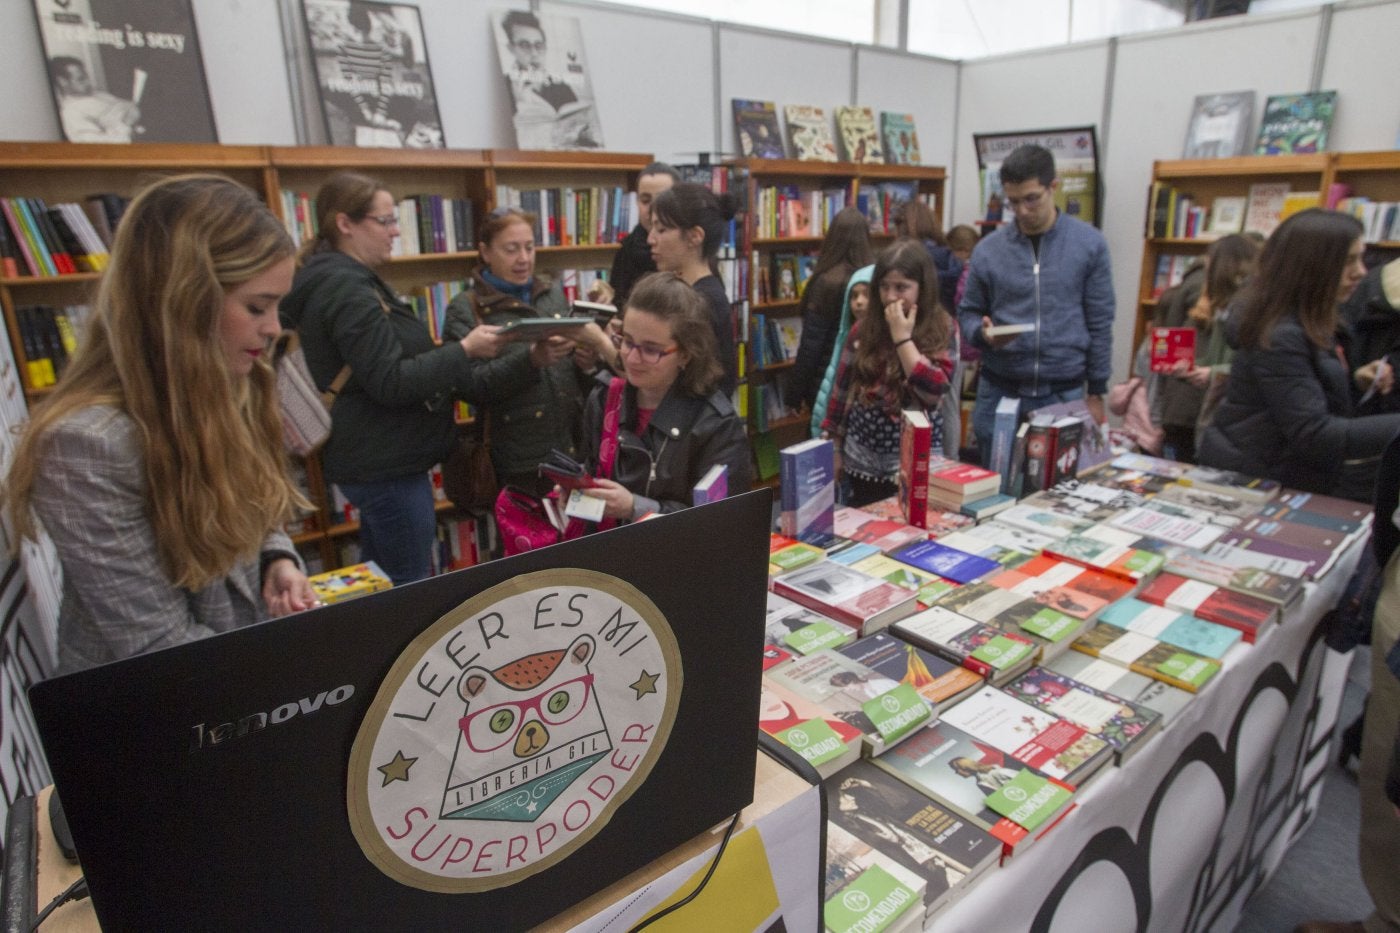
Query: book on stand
[901,139]
[860,140]
[756,129]
[809,133]
[1221,125]
[1295,123]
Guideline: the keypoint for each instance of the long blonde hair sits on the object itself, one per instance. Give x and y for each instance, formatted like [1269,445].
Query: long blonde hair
[216,475]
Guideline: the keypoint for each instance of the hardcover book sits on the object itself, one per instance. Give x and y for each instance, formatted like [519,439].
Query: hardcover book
[756,129]
[1123,724]
[1172,627]
[915,439]
[860,140]
[1295,123]
[1094,448]
[808,487]
[1065,435]
[1170,346]
[943,847]
[1052,746]
[865,603]
[936,679]
[1148,656]
[1120,681]
[982,649]
[1213,603]
[809,133]
[901,140]
[1221,125]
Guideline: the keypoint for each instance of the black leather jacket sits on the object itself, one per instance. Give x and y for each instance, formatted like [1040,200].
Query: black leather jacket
[685,437]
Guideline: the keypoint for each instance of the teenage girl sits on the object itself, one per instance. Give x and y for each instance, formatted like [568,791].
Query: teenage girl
[895,358]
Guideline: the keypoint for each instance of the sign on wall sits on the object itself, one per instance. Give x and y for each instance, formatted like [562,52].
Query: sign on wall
[1076,155]
[372,74]
[126,71]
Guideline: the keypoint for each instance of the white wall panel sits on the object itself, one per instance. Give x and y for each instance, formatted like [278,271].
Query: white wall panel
[1362,66]
[765,66]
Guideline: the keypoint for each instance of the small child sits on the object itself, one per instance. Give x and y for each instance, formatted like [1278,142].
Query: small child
[892,361]
[860,301]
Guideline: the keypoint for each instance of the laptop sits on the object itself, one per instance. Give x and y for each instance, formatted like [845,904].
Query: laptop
[480,750]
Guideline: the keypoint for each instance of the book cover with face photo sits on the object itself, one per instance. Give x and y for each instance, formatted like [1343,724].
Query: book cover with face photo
[372,74]
[546,72]
[124,71]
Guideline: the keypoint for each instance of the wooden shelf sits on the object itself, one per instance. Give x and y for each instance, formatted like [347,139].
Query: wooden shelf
[1241,166]
[374,160]
[129,156]
[579,248]
[783,305]
[774,367]
[574,161]
[788,240]
[468,256]
[25,281]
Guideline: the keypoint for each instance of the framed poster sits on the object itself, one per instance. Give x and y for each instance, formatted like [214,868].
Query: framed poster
[1076,154]
[544,67]
[372,73]
[126,71]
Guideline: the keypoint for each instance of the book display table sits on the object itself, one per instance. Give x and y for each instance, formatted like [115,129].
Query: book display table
[770,868]
[1179,837]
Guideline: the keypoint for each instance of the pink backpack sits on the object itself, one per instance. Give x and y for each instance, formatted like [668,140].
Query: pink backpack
[1129,401]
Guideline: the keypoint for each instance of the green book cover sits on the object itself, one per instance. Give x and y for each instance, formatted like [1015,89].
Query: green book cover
[870,903]
[814,740]
[1002,652]
[1028,799]
[896,712]
[819,635]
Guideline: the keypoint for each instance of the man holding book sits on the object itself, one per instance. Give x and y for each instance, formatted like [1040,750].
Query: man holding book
[1038,302]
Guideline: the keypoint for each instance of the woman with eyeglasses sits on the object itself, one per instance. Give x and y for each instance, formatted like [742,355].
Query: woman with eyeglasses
[673,425]
[392,418]
[525,423]
[688,224]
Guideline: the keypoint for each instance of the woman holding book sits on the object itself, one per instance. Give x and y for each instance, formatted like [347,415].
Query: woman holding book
[1287,413]
[845,249]
[665,425]
[156,465]
[688,224]
[526,421]
[392,420]
[1202,302]
[896,358]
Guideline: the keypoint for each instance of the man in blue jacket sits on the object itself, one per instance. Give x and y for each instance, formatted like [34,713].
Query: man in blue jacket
[1049,271]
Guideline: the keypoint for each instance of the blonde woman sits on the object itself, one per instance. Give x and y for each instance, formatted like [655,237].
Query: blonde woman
[157,465]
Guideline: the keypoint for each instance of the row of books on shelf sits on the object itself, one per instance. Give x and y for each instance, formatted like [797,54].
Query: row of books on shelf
[574,216]
[1171,269]
[64,239]
[784,276]
[773,340]
[880,203]
[924,672]
[428,223]
[49,337]
[1177,214]
[1380,220]
[788,211]
[764,405]
[430,301]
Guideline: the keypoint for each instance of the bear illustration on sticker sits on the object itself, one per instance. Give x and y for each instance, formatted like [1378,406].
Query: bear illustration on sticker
[531,727]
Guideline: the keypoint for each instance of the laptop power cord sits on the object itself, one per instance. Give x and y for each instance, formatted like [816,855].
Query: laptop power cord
[74,892]
[714,863]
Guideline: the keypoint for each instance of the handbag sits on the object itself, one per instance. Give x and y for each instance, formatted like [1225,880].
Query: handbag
[306,411]
[524,519]
[468,476]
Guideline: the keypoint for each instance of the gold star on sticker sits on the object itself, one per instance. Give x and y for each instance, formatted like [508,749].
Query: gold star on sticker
[396,770]
[645,684]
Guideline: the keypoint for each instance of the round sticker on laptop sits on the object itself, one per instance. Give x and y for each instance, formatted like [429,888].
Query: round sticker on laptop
[507,734]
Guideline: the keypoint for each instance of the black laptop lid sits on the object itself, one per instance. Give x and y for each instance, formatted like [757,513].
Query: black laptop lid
[510,738]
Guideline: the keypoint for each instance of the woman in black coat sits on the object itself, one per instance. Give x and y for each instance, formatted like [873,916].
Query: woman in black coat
[845,249]
[1287,413]
[675,424]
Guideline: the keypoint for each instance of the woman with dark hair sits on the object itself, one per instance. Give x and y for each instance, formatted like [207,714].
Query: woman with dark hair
[392,418]
[1287,413]
[673,424]
[525,421]
[845,249]
[156,464]
[1201,301]
[895,358]
[688,224]
[916,220]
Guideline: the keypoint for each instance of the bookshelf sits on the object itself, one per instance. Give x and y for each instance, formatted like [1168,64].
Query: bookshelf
[770,233]
[70,172]
[1373,176]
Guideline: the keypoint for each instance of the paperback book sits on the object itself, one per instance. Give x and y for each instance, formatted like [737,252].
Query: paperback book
[929,586]
[937,680]
[843,688]
[1213,603]
[1123,724]
[983,649]
[1021,613]
[1239,571]
[827,743]
[808,487]
[884,533]
[860,140]
[1170,347]
[865,603]
[1161,698]
[1216,502]
[1042,521]
[809,133]
[866,892]
[1052,746]
[1171,529]
[901,139]
[1250,488]
[1172,627]
[947,562]
[1110,550]
[915,439]
[1148,656]
[338,586]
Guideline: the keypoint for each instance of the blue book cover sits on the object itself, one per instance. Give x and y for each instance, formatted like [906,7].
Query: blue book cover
[808,476]
[945,561]
[1174,628]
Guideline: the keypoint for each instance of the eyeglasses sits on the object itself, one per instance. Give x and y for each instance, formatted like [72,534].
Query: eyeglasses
[384,220]
[525,45]
[492,727]
[1029,202]
[649,352]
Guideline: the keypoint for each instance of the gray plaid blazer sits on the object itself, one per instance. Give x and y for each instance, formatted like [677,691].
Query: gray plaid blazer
[117,601]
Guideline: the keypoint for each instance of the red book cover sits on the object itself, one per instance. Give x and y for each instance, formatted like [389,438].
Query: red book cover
[1210,602]
[1170,344]
[953,474]
[915,441]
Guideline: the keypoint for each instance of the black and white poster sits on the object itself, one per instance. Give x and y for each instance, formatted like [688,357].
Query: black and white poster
[544,66]
[373,75]
[126,71]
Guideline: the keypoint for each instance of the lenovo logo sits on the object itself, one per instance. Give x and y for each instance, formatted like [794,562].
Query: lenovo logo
[203,735]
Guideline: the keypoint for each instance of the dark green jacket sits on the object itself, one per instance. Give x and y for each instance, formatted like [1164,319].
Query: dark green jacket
[394,416]
[526,422]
